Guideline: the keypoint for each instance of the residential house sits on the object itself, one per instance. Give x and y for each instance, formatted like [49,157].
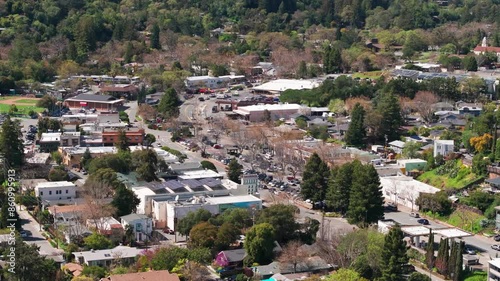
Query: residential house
[443,147]
[312,265]
[56,190]
[397,146]
[408,166]
[125,255]
[443,106]
[74,231]
[70,139]
[230,259]
[141,224]
[153,275]
[108,226]
[49,142]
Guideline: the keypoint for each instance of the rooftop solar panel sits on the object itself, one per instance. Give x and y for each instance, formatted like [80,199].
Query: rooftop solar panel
[173,185]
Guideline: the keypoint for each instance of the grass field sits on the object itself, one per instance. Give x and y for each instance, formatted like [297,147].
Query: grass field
[457,177]
[24,105]
[464,219]
[371,74]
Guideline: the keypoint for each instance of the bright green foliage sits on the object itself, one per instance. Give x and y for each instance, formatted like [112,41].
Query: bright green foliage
[315,178]
[122,142]
[393,255]
[207,165]
[356,133]
[202,235]
[470,63]
[185,225]
[167,258]
[281,217]
[125,201]
[259,243]
[11,146]
[344,274]
[443,257]
[240,218]
[95,272]
[146,164]
[417,276]
[430,259]
[227,234]
[97,241]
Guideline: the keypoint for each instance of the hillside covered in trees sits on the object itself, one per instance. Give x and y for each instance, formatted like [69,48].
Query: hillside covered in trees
[41,39]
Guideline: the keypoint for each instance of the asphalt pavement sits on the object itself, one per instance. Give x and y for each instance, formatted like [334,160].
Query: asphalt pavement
[35,235]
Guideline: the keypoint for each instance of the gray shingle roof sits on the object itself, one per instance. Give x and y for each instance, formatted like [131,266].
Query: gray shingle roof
[87,97]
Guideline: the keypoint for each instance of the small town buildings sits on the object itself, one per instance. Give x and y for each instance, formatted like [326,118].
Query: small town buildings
[310,265]
[443,147]
[70,139]
[49,142]
[280,85]
[141,224]
[409,165]
[397,146]
[494,269]
[153,275]
[135,136]
[404,190]
[99,102]
[211,82]
[128,91]
[497,218]
[125,255]
[258,113]
[55,190]
[72,155]
[107,226]
[484,48]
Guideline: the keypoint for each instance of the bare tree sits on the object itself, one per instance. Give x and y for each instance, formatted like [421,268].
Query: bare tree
[147,111]
[406,106]
[424,104]
[293,254]
[193,271]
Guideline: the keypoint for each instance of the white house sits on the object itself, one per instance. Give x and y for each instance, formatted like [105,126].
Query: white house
[125,254]
[141,224]
[55,190]
[443,147]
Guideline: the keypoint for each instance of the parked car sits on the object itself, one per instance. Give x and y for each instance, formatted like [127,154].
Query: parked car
[168,230]
[497,237]
[423,221]
[414,214]
[391,207]
[495,247]
[469,251]
[23,233]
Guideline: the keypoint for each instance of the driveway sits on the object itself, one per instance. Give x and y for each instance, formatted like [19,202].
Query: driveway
[31,226]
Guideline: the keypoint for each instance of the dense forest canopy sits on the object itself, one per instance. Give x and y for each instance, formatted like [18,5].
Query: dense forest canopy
[41,39]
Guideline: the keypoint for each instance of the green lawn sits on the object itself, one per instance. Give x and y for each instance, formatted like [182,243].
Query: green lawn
[466,220]
[457,178]
[26,101]
[371,74]
[476,276]
[22,109]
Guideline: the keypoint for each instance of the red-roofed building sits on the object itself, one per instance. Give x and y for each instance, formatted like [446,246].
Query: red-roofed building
[484,48]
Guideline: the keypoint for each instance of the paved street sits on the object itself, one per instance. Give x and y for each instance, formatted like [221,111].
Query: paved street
[32,227]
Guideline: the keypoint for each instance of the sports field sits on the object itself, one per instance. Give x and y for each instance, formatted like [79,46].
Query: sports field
[23,104]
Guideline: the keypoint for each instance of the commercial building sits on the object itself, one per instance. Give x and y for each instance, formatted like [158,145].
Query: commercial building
[494,270]
[259,113]
[443,147]
[72,155]
[49,142]
[404,190]
[99,102]
[55,190]
[213,82]
[135,136]
[127,91]
[280,85]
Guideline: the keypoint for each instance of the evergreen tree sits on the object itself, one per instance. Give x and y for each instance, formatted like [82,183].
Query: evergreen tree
[393,256]
[459,260]
[470,63]
[233,170]
[339,186]
[302,71]
[122,142]
[429,254]
[86,158]
[366,202]
[125,201]
[259,244]
[442,257]
[169,104]
[356,133]
[452,258]
[11,145]
[388,107]
[155,37]
[315,178]
[141,95]
[127,56]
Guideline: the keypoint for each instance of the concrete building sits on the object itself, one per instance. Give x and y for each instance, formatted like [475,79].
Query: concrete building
[213,82]
[70,139]
[49,142]
[257,113]
[280,85]
[55,190]
[127,91]
[141,224]
[72,155]
[494,270]
[99,102]
[126,255]
[443,147]
[135,136]
[409,165]
[404,190]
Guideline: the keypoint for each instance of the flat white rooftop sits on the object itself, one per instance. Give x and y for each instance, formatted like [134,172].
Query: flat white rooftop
[409,161]
[445,142]
[50,184]
[452,233]
[281,85]
[269,107]
[93,150]
[200,174]
[50,137]
[232,199]
[495,262]
[404,183]
[416,230]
